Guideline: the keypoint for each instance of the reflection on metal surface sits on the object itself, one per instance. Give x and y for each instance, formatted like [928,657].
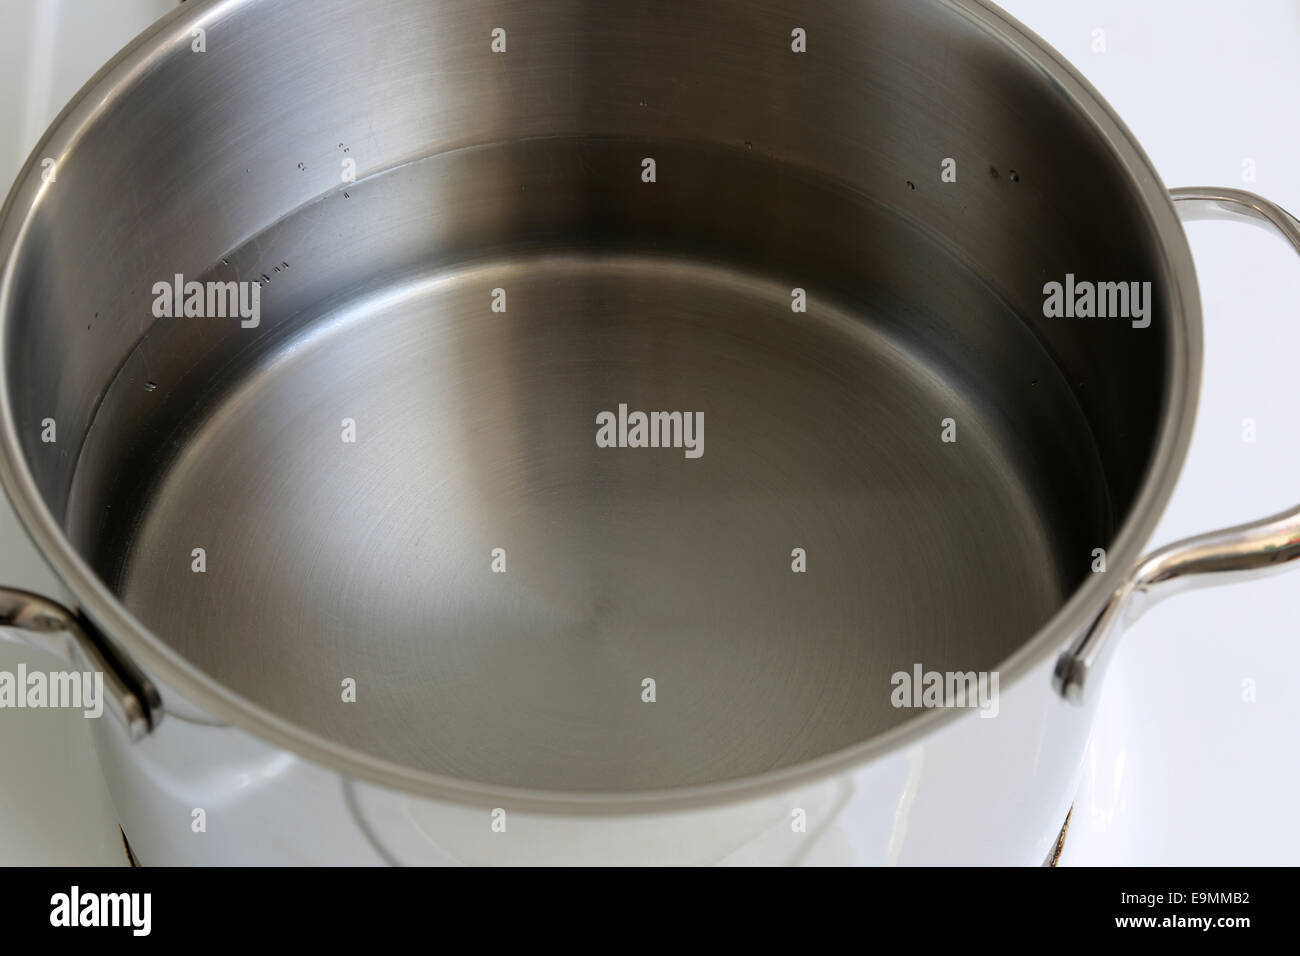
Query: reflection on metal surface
[903,810]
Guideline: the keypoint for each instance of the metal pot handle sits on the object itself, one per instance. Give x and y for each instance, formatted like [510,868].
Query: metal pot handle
[1219,557]
[44,625]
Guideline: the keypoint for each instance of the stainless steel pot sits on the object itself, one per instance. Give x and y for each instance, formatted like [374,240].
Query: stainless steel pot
[352,524]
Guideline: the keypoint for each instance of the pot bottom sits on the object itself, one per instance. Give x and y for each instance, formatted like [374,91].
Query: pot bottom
[428,529]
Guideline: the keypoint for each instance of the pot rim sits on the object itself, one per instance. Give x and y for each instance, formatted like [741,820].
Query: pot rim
[178,675]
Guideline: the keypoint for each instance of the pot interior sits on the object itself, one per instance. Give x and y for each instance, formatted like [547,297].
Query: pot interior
[438,335]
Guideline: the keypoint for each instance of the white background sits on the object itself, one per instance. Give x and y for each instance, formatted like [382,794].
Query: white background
[1181,769]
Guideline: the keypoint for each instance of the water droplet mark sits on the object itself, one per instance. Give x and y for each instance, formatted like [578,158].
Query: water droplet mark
[150,386]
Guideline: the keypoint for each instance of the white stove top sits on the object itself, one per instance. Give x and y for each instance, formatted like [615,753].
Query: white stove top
[1183,767]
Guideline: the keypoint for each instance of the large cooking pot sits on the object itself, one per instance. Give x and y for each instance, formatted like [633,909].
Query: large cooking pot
[590,432]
